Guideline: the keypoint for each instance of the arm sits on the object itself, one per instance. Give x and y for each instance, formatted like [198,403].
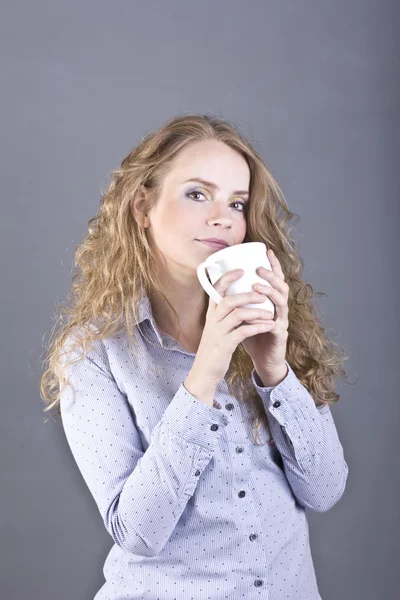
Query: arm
[307,440]
[140,495]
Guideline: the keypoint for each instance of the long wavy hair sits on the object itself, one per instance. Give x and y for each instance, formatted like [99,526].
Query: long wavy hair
[115,268]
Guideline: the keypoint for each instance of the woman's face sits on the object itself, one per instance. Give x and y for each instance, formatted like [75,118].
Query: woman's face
[188,210]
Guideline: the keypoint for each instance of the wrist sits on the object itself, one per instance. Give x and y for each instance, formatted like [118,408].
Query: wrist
[272,378]
[200,390]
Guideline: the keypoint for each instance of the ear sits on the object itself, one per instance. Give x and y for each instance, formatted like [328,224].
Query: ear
[140,207]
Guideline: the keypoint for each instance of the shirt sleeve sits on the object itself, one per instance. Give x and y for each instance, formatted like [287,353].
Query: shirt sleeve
[140,495]
[307,440]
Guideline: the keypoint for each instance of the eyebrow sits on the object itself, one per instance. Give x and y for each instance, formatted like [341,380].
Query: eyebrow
[214,185]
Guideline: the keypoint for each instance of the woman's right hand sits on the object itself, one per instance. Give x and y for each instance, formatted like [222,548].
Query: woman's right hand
[223,331]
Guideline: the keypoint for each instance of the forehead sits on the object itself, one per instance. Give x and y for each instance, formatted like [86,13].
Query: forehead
[211,160]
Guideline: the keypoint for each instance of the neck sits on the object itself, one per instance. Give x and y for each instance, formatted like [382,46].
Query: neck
[191,309]
[182,288]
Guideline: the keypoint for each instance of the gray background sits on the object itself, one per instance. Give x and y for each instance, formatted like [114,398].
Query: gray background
[314,85]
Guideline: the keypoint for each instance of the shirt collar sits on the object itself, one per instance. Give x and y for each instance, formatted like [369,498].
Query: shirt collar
[144,310]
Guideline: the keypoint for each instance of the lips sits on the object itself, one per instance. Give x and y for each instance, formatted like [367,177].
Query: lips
[216,241]
[212,244]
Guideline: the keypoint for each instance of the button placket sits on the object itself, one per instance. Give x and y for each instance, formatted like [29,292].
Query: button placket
[252,536]
[242,493]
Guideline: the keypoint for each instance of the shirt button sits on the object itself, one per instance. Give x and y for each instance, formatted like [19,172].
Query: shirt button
[239,449]
[241,494]
[229,406]
[258,582]
[197,473]
[253,537]
[214,427]
[276,404]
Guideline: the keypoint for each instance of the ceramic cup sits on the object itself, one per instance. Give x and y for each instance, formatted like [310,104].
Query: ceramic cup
[248,256]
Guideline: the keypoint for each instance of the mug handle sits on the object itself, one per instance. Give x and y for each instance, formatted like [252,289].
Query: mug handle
[201,274]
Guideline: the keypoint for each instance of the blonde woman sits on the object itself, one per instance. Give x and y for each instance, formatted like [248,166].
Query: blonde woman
[201,435]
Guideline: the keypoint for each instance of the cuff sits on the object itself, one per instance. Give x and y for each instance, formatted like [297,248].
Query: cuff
[282,400]
[193,420]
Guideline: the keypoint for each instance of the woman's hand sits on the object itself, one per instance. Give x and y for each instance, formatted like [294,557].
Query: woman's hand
[268,349]
[227,324]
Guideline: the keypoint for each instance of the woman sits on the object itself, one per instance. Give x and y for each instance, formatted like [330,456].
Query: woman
[202,439]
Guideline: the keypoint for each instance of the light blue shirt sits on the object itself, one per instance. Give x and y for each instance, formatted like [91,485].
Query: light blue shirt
[194,507]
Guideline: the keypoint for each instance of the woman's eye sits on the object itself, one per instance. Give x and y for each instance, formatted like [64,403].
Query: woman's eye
[194,192]
[242,204]
[189,195]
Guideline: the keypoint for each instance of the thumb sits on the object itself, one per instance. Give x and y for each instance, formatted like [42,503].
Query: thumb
[222,284]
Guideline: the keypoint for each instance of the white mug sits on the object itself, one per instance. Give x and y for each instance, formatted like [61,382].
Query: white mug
[248,256]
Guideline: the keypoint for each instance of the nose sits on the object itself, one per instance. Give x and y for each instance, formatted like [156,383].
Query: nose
[219,211]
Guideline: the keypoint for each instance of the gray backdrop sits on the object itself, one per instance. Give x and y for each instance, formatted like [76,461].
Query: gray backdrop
[314,84]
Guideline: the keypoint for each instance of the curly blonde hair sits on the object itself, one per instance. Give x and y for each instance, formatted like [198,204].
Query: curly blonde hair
[116,268]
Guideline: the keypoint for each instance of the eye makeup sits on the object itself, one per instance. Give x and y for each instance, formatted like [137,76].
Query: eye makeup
[242,202]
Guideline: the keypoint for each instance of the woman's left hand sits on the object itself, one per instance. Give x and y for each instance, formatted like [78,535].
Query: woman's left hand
[268,350]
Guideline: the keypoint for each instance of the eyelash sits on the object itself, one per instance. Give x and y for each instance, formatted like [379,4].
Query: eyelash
[199,192]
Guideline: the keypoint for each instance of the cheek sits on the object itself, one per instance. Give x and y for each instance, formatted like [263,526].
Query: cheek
[186,219]
[241,228]
[169,218]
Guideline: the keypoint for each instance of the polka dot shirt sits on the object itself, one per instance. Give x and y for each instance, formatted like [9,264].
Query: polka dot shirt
[196,510]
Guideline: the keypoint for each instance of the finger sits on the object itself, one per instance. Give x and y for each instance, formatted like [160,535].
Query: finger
[274,280]
[275,264]
[222,284]
[281,306]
